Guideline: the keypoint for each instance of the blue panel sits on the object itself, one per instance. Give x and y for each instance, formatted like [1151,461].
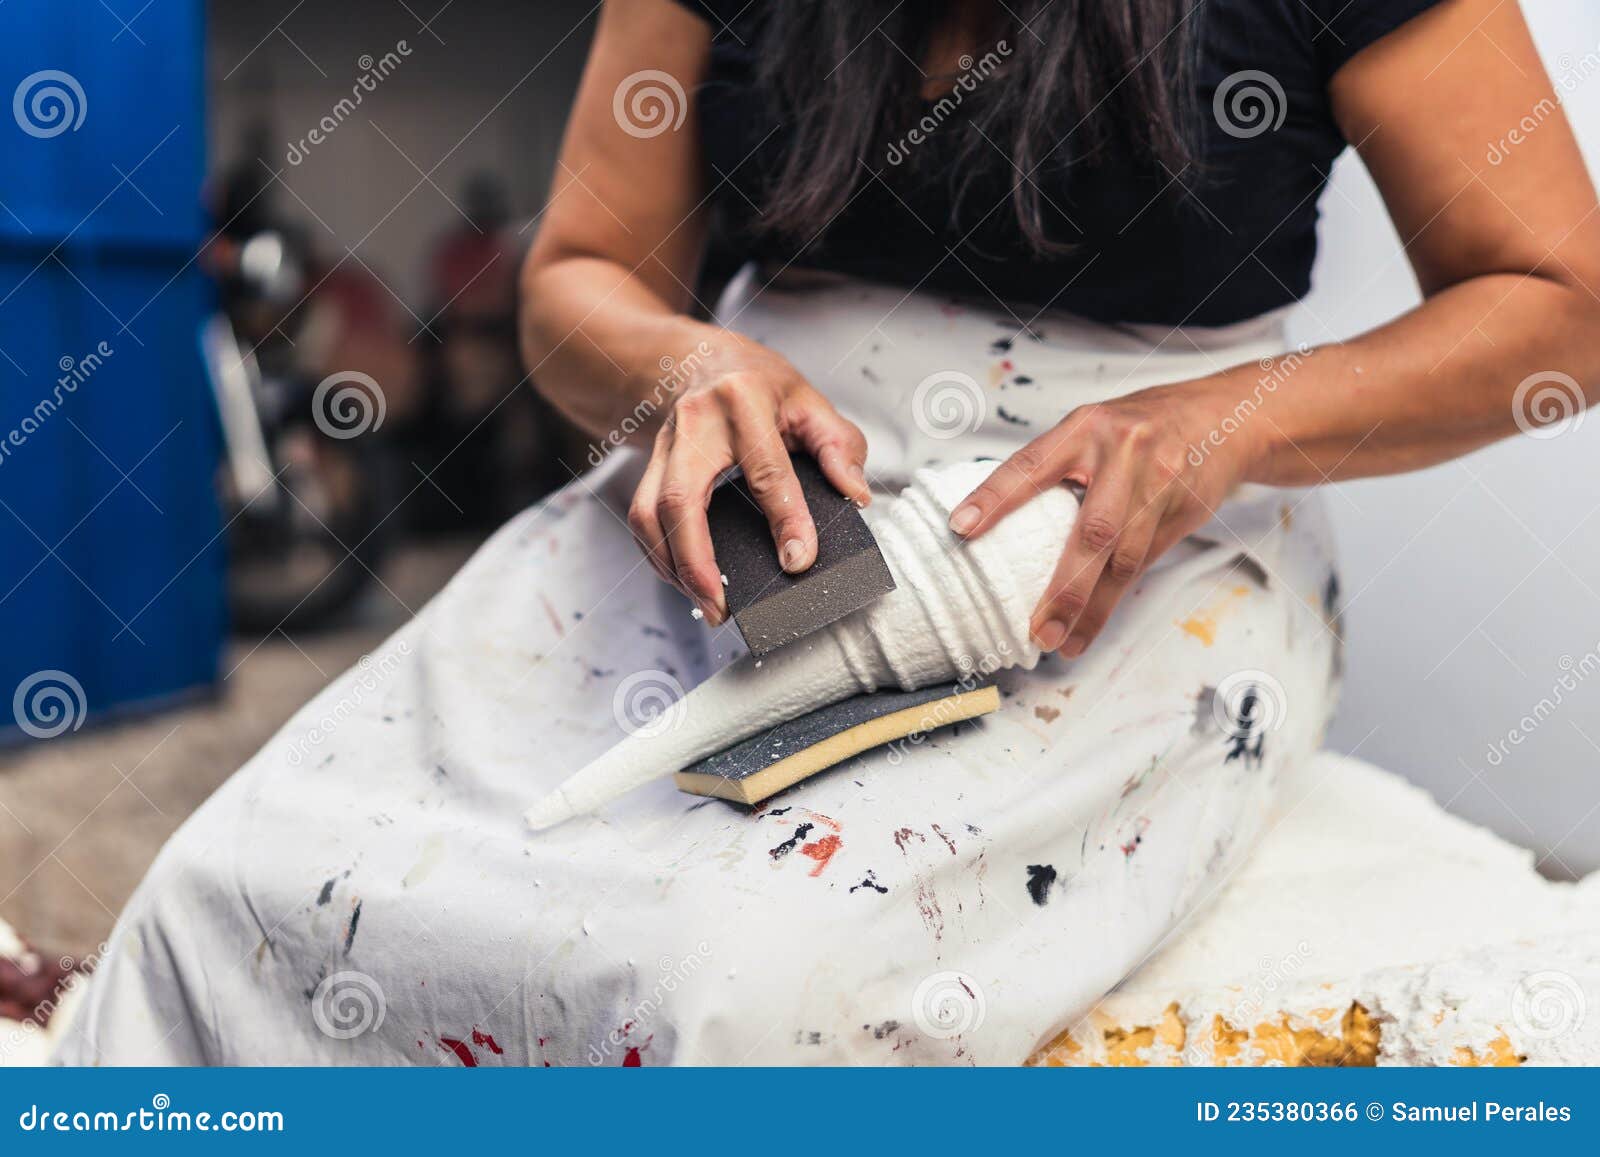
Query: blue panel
[111,558]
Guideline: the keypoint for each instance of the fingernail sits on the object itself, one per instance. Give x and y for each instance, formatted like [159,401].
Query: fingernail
[793,553]
[1074,647]
[965,518]
[1050,635]
[858,472]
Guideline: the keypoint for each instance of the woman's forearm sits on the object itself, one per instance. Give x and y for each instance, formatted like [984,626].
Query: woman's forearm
[604,347]
[1436,383]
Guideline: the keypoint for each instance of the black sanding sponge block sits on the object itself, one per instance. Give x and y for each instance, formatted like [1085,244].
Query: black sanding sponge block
[772,607]
[765,764]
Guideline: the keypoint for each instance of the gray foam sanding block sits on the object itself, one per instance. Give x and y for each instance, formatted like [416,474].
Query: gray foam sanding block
[764,765]
[772,607]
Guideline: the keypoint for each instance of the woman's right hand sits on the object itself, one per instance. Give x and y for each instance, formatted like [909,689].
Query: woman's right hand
[743,406]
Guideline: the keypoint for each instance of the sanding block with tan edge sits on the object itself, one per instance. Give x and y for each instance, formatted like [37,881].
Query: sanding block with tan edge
[766,764]
[772,607]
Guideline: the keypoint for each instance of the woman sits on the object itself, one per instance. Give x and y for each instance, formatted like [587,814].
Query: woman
[1055,233]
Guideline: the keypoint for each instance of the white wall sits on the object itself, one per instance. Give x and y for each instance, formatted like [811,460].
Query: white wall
[1474,587]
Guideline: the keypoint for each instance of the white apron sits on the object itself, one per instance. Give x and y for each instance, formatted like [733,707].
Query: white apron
[364,889]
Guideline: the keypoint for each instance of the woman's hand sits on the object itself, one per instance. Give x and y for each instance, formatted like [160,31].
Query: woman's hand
[1153,470]
[744,406]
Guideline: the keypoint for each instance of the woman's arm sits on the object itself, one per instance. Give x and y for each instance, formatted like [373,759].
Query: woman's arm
[604,325]
[1508,256]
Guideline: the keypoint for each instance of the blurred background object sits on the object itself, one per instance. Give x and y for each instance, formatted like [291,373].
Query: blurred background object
[252,202]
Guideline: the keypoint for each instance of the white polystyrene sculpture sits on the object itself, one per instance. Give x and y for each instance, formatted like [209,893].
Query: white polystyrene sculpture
[957,607]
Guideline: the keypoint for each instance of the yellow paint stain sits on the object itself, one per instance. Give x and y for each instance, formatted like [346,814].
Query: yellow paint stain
[1171,1031]
[1497,1054]
[1226,1041]
[1203,624]
[1064,1050]
[1285,1041]
[1356,1046]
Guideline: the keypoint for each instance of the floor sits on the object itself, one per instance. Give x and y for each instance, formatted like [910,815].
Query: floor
[81,818]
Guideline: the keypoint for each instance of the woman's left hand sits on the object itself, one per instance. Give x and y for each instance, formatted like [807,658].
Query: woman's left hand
[1154,466]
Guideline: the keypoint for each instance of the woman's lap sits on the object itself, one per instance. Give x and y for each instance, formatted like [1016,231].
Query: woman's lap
[369,869]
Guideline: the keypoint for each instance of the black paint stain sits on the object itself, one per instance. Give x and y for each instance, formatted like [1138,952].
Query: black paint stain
[871,881]
[880,1031]
[789,844]
[350,933]
[327,891]
[1006,415]
[1246,726]
[1040,877]
[1330,595]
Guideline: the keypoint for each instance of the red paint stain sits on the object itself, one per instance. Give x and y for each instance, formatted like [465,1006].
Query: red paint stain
[1132,845]
[484,1040]
[631,1059]
[821,851]
[903,836]
[948,842]
[555,619]
[463,1053]
[822,819]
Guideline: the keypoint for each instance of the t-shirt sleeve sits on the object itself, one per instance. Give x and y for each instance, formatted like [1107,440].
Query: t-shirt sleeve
[711,11]
[1341,28]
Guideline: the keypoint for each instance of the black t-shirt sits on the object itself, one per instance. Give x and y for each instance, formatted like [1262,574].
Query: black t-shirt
[1233,237]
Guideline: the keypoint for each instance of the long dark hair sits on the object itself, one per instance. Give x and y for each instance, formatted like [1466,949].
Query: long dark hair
[1073,82]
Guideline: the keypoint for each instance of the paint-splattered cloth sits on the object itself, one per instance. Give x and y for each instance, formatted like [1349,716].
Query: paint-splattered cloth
[364,890]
